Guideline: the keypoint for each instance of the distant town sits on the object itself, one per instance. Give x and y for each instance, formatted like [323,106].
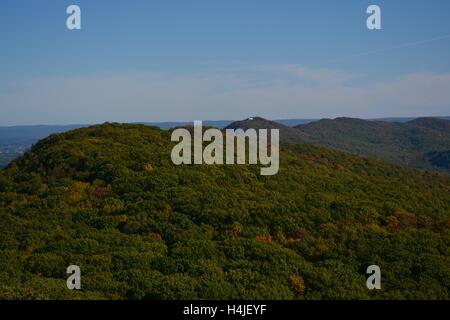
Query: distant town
[9,152]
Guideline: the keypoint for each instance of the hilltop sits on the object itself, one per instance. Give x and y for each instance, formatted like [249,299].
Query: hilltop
[17,139]
[407,143]
[286,133]
[432,123]
[419,143]
[109,199]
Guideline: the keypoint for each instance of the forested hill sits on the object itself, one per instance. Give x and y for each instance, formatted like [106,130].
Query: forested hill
[421,143]
[109,199]
[432,123]
[286,133]
[409,143]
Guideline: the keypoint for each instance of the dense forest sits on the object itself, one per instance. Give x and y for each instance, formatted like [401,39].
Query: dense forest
[109,199]
[408,144]
[420,143]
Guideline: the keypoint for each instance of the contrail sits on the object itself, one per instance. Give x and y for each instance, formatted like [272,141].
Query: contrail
[400,46]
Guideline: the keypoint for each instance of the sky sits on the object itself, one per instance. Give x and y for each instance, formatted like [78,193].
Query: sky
[136,61]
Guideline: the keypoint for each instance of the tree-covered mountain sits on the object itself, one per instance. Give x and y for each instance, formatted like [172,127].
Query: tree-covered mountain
[439,159]
[420,143]
[286,133]
[108,199]
[401,143]
[17,139]
[432,123]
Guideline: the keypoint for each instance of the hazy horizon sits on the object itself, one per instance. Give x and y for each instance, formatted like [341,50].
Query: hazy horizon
[390,119]
[161,62]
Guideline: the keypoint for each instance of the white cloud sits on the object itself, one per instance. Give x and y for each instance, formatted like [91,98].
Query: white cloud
[273,91]
[311,75]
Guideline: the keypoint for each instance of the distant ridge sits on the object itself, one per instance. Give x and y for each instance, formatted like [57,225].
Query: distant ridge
[17,134]
[419,143]
[286,133]
[416,142]
[432,123]
[169,125]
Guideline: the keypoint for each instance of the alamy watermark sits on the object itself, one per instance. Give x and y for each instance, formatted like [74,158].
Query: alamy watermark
[74,280]
[235,151]
[374,280]
[374,20]
[73,21]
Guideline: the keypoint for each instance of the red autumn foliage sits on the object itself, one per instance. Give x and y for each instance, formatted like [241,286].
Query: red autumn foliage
[155,236]
[300,234]
[264,238]
[99,192]
[406,219]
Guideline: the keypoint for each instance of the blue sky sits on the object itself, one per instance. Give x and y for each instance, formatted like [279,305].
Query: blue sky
[185,60]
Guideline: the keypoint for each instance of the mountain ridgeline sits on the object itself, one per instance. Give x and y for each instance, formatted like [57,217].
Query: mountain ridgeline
[108,199]
[420,143]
